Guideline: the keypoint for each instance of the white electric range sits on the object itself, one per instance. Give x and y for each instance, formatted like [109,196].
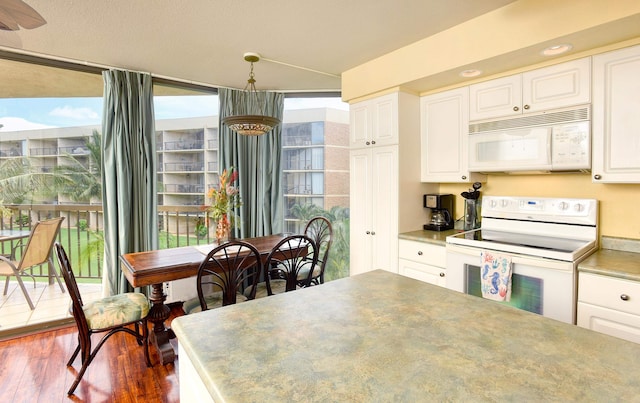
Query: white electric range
[545,238]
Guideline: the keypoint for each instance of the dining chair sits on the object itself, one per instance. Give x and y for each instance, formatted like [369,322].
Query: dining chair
[111,314]
[224,274]
[37,251]
[288,258]
[320,230]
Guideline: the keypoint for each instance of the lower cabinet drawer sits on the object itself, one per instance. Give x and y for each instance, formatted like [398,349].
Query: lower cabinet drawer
[423,272]
[422,252]
[609,292]
[609,321]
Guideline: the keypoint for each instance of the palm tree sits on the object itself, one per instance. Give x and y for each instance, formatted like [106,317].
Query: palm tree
[81,181]
[305,211]
[21,182]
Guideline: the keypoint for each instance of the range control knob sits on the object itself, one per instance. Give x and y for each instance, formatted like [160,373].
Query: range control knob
[563,205]
[578,207]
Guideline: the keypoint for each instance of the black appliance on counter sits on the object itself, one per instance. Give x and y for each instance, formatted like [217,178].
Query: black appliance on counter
[441,206]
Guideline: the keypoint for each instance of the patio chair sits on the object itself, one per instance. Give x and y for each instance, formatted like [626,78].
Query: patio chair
[36,252]
[110,314]
[223,276]
[320,230]
[290,257]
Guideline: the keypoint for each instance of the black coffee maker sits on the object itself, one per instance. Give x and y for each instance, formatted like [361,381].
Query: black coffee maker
[441,206]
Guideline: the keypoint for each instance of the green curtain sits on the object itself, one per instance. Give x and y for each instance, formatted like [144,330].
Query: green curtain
[259,165]
[129,174]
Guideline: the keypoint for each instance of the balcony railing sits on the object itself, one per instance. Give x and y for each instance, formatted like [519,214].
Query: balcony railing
[75,150]
[43,151]
[183,188]
[81,232]
[183,166]
[183,145]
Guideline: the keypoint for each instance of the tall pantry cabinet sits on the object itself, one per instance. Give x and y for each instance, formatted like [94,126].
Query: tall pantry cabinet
[385,188]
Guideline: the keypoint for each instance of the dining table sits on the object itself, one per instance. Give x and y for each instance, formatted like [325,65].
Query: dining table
[155,267]
[7,235]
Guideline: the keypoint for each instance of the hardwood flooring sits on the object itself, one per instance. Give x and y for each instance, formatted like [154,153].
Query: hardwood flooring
[33,369]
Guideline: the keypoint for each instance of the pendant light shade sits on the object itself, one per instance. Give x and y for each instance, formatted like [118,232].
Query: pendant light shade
[249,116]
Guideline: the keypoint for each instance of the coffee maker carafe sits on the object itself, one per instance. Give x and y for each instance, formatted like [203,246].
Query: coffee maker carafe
[441,206]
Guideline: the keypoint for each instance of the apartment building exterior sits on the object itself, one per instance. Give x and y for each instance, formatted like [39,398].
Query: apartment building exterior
[315,158]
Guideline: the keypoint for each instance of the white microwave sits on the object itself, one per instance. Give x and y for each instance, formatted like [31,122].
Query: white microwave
[548,147]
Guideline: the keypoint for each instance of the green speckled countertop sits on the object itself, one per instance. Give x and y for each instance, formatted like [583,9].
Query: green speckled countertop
[618,258]
[382,337]
[435,237]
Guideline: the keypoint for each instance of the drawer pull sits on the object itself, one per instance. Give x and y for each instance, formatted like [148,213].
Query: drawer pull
[419,253]
[441,274]
[624,297]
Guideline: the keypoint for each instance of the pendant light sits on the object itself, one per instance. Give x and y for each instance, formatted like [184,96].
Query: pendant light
[245,120]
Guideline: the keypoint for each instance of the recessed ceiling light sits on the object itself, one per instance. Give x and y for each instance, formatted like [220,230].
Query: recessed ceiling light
[556,50]
[470,73]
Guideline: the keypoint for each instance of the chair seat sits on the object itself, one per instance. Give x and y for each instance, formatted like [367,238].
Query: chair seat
[303,274]
[277,287]
[6,269]
[213,300]
[116,310]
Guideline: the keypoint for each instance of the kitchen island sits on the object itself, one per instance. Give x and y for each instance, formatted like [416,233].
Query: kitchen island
[380,336]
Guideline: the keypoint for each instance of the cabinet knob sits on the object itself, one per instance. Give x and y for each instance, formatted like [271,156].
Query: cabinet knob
[597,177]
[373,232]
[464,178]
[624,297]
[516,109]
[441,274]
[373,141]
[527,107]
[419,253]
[368,232]
[367,143]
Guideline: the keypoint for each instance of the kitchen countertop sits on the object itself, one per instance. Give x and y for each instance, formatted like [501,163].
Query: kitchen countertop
[434,237]
[379,336]
[618,257]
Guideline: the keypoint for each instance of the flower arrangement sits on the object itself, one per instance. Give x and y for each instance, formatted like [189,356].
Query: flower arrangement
[223,199]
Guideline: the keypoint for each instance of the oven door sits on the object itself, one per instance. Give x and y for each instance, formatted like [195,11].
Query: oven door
[543,286]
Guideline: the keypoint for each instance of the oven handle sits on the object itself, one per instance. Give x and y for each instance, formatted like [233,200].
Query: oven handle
[515,258]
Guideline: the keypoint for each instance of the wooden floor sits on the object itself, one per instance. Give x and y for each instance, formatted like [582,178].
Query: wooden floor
[33,369]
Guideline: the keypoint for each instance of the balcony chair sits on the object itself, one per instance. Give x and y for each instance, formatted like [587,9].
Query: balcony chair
[223,276]
[110,314]
[290,257]
[320,230]
[37,251]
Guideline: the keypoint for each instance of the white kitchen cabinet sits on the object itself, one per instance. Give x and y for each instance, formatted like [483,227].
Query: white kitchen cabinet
[552,87]
[374,209]
[444,132]
[422,261]
[374,122]
[616,116]
[609,305]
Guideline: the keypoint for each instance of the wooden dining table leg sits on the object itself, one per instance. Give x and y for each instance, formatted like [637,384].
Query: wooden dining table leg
[160,337]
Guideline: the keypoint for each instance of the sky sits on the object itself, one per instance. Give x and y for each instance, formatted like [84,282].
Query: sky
[40,113]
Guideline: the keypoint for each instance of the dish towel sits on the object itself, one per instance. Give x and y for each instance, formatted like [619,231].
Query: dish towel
[495,276]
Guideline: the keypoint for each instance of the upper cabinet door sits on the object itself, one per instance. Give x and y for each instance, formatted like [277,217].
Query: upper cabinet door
[552,87]
[374,122]
[557,86]
[385,120]
[616,116]
[360,123]
[496,98]
[444,128]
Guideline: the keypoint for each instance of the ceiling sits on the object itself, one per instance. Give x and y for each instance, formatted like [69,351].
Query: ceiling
[203,41]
